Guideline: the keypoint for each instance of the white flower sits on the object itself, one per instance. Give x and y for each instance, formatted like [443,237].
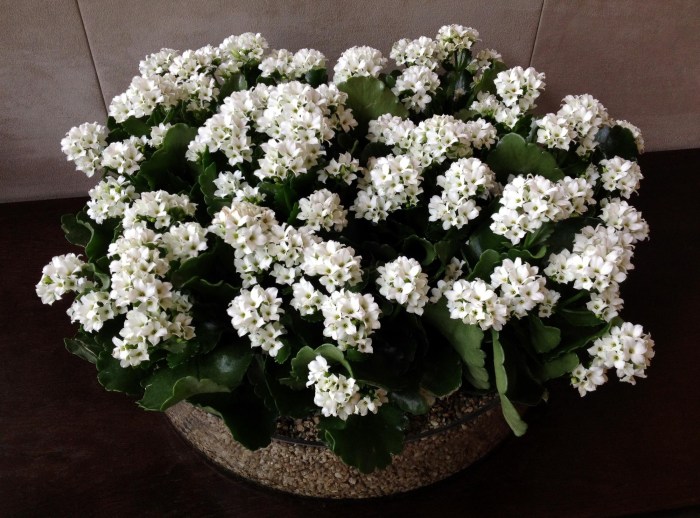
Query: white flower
[110,198]
[184,241]
[349,319]
[84,145]
[62,275]
[626,348]
[452,38]
[344,169]
[306,299]
[520,285]
[422,51]
[403,280]
[158,134]
[92,310]
[415,86]
[335,265]
[358,61]
[123,157]
[158,208]
[476,303]
[620,175]
[322,210]
[554,132]
[466,179]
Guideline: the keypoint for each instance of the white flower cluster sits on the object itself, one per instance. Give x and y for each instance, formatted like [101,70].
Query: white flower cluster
[482,61]
[530,201]
[340,396]
[184,241]
[350,318]
[358,62]
[110,198]
[124,157]
[335,265]
[514,290]
[476,303]
[422,51]
[92,310]
[158,208]
[627,349]
[453,271]
[322,210]
[344,169]
[466,179]
[600,260]
[516,92]
[578,120]
[84,145]
[433,140]
[292,66]
[618,174]
[158,134]
[64,274]
[256,313]
[415,87]
[233,185]
[520,285]
[403,280]
[154,311]
[453,38]
[298,119]
[391,183]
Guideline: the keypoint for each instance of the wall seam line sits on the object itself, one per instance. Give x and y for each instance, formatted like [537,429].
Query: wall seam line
[537,32]
[92,56]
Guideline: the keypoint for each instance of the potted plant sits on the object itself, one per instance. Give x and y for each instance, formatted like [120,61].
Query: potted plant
[266,243]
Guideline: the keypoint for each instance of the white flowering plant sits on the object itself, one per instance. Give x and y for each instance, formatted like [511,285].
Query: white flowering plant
[265,242]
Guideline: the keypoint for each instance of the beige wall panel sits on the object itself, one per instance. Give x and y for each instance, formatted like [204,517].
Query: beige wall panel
[122,33]
[47,85]
[640,58]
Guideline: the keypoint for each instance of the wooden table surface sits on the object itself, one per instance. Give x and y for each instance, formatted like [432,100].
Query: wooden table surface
[68,448]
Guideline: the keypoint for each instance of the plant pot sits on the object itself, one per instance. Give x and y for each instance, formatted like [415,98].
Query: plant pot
[309,468]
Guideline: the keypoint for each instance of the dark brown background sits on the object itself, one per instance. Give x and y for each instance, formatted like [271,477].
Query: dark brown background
[69,448]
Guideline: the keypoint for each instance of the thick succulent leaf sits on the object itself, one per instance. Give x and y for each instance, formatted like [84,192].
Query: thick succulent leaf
[465,339]
[366,442]
[112,376]
[559,367]
[544,338]
[513,155]
[306,355]
[484,267]
[220,371]
[510,413]
[77,233]
[368,97]
[617,141]
[442,373]
[250,422]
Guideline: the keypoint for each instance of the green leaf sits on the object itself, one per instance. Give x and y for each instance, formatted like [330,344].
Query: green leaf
[234,83]
[559,367]
[168,169]
[442,373]
[512,416]
[366,442]
[220,371]
[316,77]
[544,338]
[368,97]
[281,398]
[300,363]
[484,267]
[420,249]
[465,339]
[77,233]
[84,346]
[112,376]
[484,239]
[250,422]
[136,127]
[509,411]
[617,141]
[513,155]
[580,317]
[411,401]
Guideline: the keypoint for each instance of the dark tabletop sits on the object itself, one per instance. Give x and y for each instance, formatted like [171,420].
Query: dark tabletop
[67,447]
